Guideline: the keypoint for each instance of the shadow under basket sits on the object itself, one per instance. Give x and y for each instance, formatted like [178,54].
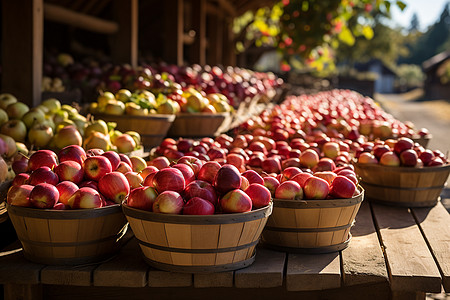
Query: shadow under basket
[199,124]
[68,237]
[403,186]
[311,226]
[195,243]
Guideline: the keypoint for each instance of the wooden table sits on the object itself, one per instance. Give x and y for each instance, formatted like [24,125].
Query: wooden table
[395,253]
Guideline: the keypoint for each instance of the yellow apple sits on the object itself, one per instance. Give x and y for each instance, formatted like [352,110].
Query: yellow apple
[114,107]
[40,135]
[97,140]
[52,104]
[133,109]
[97,125]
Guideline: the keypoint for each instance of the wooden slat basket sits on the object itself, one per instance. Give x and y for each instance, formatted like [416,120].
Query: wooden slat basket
[68,237]
[199,124]
[403,186]
[311,226]
[198,244]
[152,128]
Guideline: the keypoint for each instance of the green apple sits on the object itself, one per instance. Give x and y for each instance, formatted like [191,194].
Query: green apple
[97,125]
[34,115]
[168,107]
[52,104]
[64,123]
[15,129]
[22,148]
[72,111]
[97,140]
[136,136]
[114,107]
[104,98]
[59,116]
[66,136]
[3,116]
[17,110]
[6,99]
[40,135]
[133,109]
[80,121]
[123,95]
[113,134]
[43,108]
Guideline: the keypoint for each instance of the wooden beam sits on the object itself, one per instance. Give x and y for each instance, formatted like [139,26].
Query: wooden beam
[199,26]
[22,54]
[174,36]
[66,16]
[228,7]
[229,52]
[124,47]
[215,39]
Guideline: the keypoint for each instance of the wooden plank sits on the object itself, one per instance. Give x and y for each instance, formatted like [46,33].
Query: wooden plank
[22,291]
[22,57]
[125,41]
[265,272]
[229,47]
[435,225]
[14,268]
[157,278]
[410,263]
[174,32]
[363,260]
[221,279]
[76,275]
[309,272]
[215,38]
[198,55]
[127,269]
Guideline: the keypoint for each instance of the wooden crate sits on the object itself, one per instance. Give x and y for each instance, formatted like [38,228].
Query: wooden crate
[403,186]
[68,237]
[311,226]
[199,124]
[198,244]
[152,128]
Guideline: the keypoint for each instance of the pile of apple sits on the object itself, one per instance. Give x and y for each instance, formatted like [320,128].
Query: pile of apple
[401,152]
[74,179]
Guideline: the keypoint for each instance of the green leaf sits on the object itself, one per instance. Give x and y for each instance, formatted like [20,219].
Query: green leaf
[367,32]
[401,5]
[346,36]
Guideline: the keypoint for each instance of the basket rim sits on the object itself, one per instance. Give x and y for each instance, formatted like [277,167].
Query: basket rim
[322,203]
[256,214]
[200,115]
[167,117]
[404,169]
[85,213]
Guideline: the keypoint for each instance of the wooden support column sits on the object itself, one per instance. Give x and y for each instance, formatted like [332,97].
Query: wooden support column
[173,37]
[229,51]
[215,39]
[22,54]
[199,26]
[124,48]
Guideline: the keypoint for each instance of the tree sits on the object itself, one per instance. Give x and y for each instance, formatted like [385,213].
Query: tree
[415,25]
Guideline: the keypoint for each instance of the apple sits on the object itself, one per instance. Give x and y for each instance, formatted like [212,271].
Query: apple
[289,190]
[168,202]
[89,183]
[309,158]
[95,167]
[187,171]
[290,162]
[160,162]
[32,117]
[227,178]
[60,206]
[21,178]
[20,164]
[342,187]
[244,183]
[96,126]
[68,135]
[134,179]
[289,173]
[113,158]
[208,171]
[114,186]
[85,197]
[6,99]
[142,198]
[331,149]
[253,177]
[15,129]
[123,167]
[379,150]
[426,156]
[403,144]
[329,176]
[44,195]
[367,158]
[41,175]
[235,201]
[301,178]
[184,144]
[198,206]
[137,163]
[316,188]
[408,158]
[42,158]
[256,160]
[389,159]
[70,170]
[202,189]
[97,140]
[168,179]
[259,194]
[147,170]
[66,189]
[125,143]
[436,162]
[324,164]
[52,104]
[19,195]
[72,152]
[17,110]
[271,165]
[216,153]
[192,162]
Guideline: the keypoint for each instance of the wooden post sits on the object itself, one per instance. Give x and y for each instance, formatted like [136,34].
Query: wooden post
[124,47]
[229,52]
[215,39]
[22,49]
[173,38]
[199,26]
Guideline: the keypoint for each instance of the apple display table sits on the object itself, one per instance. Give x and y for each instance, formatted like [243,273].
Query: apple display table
[395,252]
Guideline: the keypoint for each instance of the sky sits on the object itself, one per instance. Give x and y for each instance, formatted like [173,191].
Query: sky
[428,12]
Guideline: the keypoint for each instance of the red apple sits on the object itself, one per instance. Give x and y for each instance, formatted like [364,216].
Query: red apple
[184,145]
[379,150]
[271,165]
[389,159]
[256,160]
[244,183]
[44,195]
[259,194]
[21,178]
[60,206]
[134,179]
[168,179]
[253,177]
[198,206]
[271,183]
[66,189]
[187,171]
[85,197]
[192,162]
[227,178]
[290,162]
[114,186]
[72,152]
[95,167]
[202,189]
[236,160]
[70,170]
[168,202]
[19,195]
[42,158]
[289,173]
[289,190]
[235,201]
[142,198]
[342,187]
[124,158]
[331,149]
[89,183]
[113,157]
[301,178]
[367,158]
[324,164]
[19,164]
[123,168]
[426,156]
[408,158]
[329,176]
[43,174]
[403,144]
[208,171]
[436,162]
[147,170]
[309,158]
[137,163]
[316,188]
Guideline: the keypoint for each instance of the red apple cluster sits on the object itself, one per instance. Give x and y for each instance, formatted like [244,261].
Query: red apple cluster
[401,152]
[73,179]
[191,186]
